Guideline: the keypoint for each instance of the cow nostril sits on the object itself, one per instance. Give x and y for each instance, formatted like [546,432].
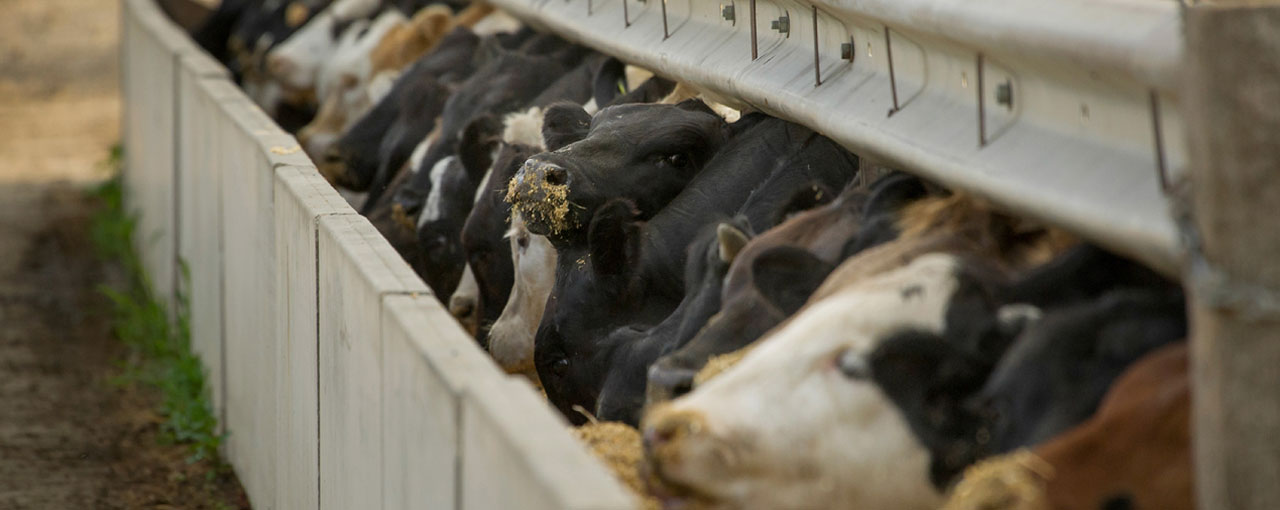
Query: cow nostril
[556,176]
[671,428]
[682,388]
[1122,501]
[673,381]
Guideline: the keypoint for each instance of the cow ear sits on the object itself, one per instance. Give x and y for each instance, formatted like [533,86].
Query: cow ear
[609,81]
[891,192]
[613,237]
[563,124]
[696,105]
[731,240]
[930,381]
[475,146]
[651,91]
[787,275]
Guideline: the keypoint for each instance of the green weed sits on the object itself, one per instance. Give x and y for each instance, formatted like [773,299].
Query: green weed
[160,348]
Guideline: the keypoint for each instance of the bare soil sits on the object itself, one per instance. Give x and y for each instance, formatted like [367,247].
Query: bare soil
[69,437]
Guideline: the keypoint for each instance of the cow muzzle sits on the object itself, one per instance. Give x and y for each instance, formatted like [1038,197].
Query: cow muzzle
[540,192]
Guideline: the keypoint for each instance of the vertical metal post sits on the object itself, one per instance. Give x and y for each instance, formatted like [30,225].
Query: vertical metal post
[893,82]
[982,105]
[817,63]
[1230,91]
[626,16]
[755,50]
[666,34]
[1158,134]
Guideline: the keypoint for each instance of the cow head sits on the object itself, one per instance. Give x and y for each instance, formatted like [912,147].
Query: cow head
[622,390]
[454,181]
[534,260]
[488,252]
[646,153]
[296,63]
[782,277]
[594,287]
[847,403]
[1057,372]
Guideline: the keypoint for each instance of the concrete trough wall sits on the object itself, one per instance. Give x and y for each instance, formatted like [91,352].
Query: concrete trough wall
[341,381]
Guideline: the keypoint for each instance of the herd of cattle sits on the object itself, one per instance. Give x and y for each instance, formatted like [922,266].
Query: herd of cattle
[787,326]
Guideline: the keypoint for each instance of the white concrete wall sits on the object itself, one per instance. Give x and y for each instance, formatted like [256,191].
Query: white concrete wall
[302,198]
[340,379]
[199,205]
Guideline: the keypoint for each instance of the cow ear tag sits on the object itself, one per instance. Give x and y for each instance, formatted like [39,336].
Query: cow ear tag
[731,241]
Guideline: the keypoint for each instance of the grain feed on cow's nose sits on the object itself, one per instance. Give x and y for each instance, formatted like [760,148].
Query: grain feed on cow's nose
[1009,482]
[541,201]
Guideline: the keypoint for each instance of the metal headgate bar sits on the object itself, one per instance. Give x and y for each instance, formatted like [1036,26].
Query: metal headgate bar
[1064,131]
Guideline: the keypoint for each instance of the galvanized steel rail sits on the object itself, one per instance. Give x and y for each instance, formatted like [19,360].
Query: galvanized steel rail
[1061,110]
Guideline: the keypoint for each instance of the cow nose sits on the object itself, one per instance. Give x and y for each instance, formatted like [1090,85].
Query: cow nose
[666,428]
[668,382]
[555,175]
[544,171]
[279,66]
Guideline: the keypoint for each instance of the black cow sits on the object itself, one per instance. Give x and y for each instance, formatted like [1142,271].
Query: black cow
[369,153]
[777,271]
[502,85]
[488,252]
[628,274]
[645,153]
[1055,375]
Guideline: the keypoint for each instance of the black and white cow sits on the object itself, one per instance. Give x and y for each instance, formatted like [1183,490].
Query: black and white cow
[629,273]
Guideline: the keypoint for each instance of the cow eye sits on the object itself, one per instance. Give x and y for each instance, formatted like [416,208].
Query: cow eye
[522,241]
[560,366]
[676,160]
[853,365]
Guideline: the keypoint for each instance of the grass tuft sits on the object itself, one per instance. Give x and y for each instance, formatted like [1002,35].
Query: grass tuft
[160,348]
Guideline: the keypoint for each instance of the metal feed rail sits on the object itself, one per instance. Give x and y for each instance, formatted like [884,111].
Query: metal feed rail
[1061,110]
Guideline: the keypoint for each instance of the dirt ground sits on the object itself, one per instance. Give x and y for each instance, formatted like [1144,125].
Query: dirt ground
[68,437]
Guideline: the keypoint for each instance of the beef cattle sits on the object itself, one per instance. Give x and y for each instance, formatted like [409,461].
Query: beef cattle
[511,340]
[343,81]
[1135,453]
[628,273]
[597,79]
[1056,374]
[257,29]
[455,181]
[296,63]
[406,43]
[350,80]
[483,238]
[646,153]
[503,84]
[828,412]
[777,271]
[370,152]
